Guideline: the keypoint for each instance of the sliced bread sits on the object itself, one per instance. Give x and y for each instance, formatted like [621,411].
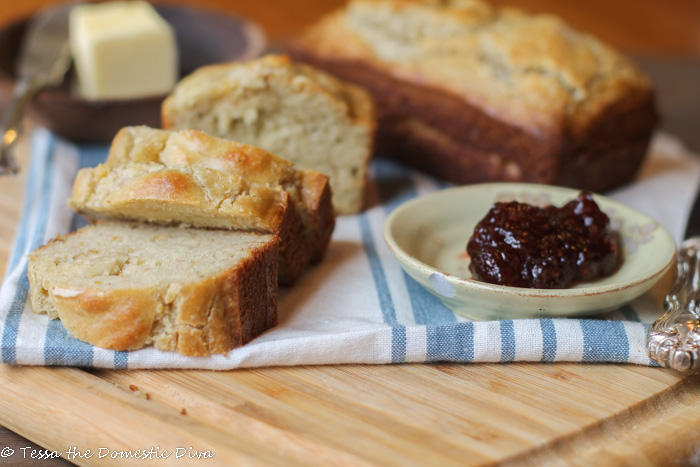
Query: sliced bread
[122,286]
[191,178]
[295,111]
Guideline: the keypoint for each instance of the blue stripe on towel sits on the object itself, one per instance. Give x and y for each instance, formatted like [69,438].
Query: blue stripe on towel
[32,194]
[507,340]
[398,344]
[121,360]
[549,340]
[604,341]
[381,285]
[14,315]
[62,349]
[451,343]
[37,237]
[386,303]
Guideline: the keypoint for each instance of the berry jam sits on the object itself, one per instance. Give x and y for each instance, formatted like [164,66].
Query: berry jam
[520,245]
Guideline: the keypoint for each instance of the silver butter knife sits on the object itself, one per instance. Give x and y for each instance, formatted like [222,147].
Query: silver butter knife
[673,341]
[43,60]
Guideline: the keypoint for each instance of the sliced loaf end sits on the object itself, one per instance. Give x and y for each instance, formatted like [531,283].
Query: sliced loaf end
[295,111]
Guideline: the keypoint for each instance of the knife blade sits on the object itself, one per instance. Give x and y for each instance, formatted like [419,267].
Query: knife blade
[43,60]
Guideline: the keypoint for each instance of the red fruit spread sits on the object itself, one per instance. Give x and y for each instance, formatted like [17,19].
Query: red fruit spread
[520,245]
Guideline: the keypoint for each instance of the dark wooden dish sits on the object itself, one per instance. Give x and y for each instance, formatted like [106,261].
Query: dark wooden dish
[203,37]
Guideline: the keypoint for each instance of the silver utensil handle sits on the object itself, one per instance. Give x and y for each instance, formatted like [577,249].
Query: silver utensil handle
[673,341]
[11,128]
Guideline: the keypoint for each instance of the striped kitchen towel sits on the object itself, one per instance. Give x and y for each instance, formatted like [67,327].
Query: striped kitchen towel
[357,306]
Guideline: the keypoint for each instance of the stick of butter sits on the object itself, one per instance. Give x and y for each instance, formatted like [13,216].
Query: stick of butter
[122,50]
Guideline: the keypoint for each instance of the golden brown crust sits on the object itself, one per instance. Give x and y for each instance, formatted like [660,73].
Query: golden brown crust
[198,317]
[196,195]
[119,321]
[192,147]
[530,70]
[169,186]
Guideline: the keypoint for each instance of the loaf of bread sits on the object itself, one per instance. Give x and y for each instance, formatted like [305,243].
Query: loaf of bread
[195,179]
[122,286]
[471,92]
[294,111]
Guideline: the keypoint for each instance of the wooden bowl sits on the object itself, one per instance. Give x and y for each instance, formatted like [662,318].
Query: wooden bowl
[203,37]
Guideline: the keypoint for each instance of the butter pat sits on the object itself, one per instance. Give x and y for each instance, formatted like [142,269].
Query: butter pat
[122,50]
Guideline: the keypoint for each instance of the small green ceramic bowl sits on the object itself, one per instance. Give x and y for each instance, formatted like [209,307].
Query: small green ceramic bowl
[429,234]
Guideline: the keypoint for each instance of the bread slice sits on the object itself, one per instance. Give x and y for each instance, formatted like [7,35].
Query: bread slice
[295,111]
[122,286]
[192,178]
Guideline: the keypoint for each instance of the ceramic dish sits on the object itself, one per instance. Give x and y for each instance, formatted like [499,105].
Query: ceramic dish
[203,37]
[429,235]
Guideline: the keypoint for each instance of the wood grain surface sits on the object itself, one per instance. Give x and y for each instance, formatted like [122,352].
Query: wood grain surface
[515,414]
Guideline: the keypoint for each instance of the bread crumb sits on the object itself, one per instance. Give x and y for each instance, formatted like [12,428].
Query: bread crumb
[139,392]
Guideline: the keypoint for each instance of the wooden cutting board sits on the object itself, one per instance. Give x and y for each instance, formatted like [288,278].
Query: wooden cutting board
[362,415]
[413,414]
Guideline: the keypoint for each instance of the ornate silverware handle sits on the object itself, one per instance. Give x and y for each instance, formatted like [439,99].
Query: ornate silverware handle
[673,340]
